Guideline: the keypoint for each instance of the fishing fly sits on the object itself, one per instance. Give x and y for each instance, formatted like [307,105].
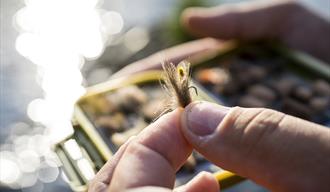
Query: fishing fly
[176,82]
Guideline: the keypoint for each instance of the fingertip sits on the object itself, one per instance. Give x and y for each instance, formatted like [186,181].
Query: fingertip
[204,181]
[184,117]
[208,180]
[191,19]
[234,21]
[154,156]
[202,118]
[219,22]
[163,135]
[188,17]
[150,189]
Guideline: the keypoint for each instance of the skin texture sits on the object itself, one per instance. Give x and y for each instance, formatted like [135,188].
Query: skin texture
[278,151]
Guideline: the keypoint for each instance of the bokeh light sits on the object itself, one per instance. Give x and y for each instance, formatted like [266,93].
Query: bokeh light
[29,161]
[48,172]
[113,22]
[136,39]
[57,36]
[10,172]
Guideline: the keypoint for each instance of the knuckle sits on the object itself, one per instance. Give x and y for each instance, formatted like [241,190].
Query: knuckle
[259,130]
[248,128]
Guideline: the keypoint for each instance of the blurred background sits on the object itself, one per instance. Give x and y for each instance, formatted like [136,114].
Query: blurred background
[50,51]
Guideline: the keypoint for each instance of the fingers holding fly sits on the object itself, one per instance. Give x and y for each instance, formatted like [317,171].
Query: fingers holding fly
[153,157]
[245,21]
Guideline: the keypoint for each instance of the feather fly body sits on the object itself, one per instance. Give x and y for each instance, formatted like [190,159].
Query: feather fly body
[176,81]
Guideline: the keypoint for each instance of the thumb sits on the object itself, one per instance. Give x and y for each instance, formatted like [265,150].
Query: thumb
[278,151]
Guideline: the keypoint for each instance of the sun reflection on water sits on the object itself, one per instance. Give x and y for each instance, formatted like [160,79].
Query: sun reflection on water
[57,36]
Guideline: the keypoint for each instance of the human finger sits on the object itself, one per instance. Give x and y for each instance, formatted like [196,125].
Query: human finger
[245,21]
[204,181]
[278,151]
[288,21]
[153,157]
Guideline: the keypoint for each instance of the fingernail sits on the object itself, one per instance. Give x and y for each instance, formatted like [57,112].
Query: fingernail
[204,117]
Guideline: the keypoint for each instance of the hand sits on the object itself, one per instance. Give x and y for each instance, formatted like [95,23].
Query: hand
[149,161]
[282,153]
[288,21]
[278,151]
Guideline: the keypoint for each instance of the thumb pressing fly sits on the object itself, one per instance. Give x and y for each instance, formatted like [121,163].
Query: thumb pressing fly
[176,82]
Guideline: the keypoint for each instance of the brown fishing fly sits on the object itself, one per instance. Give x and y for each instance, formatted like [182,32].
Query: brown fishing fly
[176,82]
